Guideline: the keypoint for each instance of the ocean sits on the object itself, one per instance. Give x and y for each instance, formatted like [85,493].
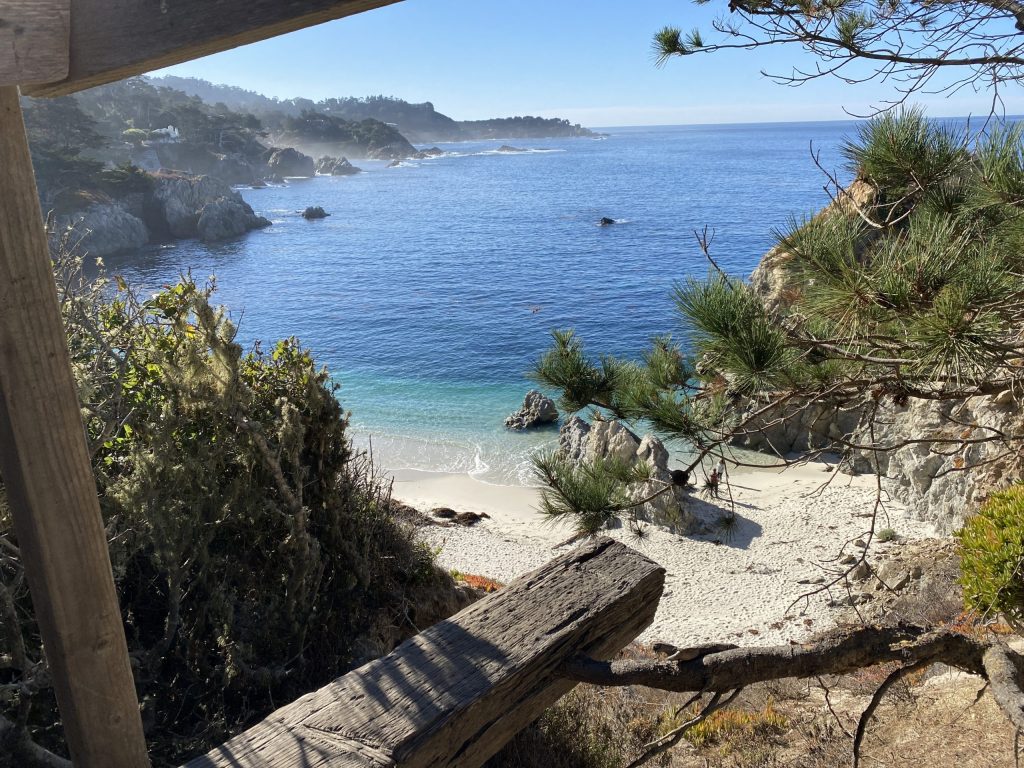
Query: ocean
[433,286]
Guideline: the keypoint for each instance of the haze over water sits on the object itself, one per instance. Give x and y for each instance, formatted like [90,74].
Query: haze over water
[432,287]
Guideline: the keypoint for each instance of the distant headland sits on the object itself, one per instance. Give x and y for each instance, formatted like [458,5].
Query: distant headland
[417,122]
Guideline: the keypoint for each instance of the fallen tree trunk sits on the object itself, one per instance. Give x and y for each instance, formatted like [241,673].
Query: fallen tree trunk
[454,694]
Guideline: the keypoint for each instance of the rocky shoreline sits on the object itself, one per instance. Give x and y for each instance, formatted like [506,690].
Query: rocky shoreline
[175,205]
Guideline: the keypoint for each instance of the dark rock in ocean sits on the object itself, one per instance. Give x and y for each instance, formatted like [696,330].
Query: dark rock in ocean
[333,166]
[425,154]
[507,148]
[290,162]
[537,410]
[315,212]
[606,222]
[394,164]
[259,184]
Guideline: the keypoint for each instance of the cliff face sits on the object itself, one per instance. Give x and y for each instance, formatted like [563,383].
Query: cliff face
[941,482]
[177,205]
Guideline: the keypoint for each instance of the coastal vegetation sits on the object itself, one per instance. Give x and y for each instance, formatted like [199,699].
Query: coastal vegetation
[256,553]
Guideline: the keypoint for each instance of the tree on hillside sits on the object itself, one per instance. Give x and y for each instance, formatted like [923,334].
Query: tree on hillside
[911,44]
[906,289]
[60,125]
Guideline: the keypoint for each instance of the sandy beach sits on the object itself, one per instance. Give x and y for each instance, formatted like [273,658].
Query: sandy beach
[793,527]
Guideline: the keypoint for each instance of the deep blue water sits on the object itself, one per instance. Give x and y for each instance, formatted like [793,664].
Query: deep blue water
[432,287]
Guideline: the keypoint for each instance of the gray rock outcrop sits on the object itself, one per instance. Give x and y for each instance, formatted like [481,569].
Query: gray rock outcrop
[334,166]
[939,482]
[290,162]
[579,442]
[537,410]
[225,218]
[179,203]
[106,229]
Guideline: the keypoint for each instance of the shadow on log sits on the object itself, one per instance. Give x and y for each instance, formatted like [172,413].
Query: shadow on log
[454,694]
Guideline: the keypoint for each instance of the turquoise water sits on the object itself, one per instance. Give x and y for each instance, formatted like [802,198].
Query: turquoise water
[433,286]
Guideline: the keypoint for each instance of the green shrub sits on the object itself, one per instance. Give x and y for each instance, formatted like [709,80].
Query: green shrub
[254,551]
[886,534]
[992,557]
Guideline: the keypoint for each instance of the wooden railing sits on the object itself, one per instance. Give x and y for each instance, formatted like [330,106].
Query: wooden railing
[454,694]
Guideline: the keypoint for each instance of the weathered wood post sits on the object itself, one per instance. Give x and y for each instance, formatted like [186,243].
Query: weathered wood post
[50,487]
[453,695]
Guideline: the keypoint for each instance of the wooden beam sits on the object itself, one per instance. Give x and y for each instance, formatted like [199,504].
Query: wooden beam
[33,41]
[45,466]
[454,694]
[114,39]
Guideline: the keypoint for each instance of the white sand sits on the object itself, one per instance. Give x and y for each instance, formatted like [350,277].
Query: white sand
[790,529]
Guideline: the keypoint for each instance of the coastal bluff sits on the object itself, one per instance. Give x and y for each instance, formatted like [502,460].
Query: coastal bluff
[941,486]
[172,205]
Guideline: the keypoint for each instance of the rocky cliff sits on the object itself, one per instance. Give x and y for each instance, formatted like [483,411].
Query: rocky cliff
[942,482]
[176,205]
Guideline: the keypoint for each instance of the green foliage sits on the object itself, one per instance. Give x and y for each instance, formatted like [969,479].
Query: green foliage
[254,550]
[992,557]
[134,135]
[903,153]
[590,494]
[733,332]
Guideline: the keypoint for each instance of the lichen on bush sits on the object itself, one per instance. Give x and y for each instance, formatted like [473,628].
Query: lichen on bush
[254,550]
[992,557]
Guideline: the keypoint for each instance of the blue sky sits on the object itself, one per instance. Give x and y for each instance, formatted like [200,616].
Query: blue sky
[589,62]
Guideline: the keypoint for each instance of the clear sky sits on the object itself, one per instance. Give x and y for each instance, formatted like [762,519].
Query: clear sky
[589,62]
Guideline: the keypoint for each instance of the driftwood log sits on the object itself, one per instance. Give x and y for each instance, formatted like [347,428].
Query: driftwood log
[454,694]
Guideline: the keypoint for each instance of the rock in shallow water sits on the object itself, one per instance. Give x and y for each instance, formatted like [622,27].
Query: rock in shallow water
[537,410]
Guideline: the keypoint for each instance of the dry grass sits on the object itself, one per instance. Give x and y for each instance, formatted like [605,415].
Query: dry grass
[936,720]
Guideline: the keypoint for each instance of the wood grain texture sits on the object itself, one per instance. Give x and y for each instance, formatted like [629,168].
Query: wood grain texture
[33,41]
[454,694]
[114,39]
[49,483]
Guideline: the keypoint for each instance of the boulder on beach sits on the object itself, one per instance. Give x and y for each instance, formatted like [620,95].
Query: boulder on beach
[537,410]
[315,212]
[580,442]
